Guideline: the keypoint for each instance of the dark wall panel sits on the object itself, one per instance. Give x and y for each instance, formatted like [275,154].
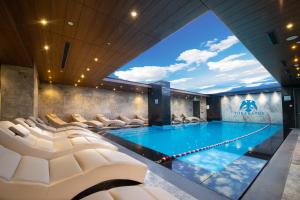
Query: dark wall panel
[214,111]
[159,103]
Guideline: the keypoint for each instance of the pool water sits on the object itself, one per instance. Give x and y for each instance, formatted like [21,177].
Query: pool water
[177,139]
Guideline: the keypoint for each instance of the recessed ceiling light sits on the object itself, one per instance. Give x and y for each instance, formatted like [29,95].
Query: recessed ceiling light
[49,70]
[133,14]
[82,76]
[97,87]
[78,81]
[292,38]
[114,89]
[88,69]
[96,59]
[75,84]
[70,23]
[298,75]
[297,68]
[296,59]
[294,47]
[289,25]
[44,22]
[46,47]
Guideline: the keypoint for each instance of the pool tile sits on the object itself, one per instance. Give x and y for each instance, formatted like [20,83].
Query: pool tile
[236,177]
[192,172]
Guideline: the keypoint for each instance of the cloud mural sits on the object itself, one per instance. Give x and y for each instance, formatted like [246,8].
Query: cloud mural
[207,60]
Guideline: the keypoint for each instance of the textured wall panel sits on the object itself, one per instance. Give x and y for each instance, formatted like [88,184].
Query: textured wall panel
[65,100]
[268,107]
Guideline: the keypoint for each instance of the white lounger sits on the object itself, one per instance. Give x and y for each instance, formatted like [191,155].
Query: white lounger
[110,122]
[176,119]
[58,122]
[41,124]
[131,121]
[62,178]
[139,192]
[78,118]
[26,143]
[35,130]
[190,119]
[142,118]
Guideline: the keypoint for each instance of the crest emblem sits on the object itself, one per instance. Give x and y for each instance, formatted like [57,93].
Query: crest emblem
[248,105]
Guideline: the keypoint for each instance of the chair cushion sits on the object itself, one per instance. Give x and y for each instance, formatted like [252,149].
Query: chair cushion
[32,169]
[30,123]
[89,159]
[9,162]
[19,130]
[63,167]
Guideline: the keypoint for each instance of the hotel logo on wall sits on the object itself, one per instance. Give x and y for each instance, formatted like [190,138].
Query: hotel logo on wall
[248,107]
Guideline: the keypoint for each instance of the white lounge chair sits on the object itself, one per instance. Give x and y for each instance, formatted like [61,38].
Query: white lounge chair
[131,121]
[46,134]
[41,124]
[110,122]
[19,139]
[145,120]
[78,118]
[176,119]
[27,177]
[190,119]
[139,192]
[58,122]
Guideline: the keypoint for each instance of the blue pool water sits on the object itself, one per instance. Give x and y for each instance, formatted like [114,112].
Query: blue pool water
[177,139]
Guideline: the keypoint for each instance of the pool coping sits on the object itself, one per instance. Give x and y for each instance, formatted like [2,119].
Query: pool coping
[271,181]
[197,190]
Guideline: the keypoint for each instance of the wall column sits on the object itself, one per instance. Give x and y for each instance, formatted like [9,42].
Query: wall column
[159,107]
[19,89]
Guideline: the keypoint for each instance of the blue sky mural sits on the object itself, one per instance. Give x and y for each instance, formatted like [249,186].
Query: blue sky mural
[204,56]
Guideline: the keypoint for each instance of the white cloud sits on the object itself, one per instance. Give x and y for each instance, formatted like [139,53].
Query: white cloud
[195,56]
[206,87]
[191,69]
[181,80]
[230,63]
[256,79]
[210,42]
[219,90]
[223,44]
[254,85]
[141,74]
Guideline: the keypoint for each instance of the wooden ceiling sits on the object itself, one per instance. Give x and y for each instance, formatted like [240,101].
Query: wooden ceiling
[103,29]
[252,20]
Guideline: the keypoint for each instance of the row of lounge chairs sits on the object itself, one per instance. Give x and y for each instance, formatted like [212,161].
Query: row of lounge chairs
[38,161]
[100,122]
[184,119]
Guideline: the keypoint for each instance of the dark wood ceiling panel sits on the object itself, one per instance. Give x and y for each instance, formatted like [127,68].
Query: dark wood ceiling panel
[102,29]
[251,20]
[12,49]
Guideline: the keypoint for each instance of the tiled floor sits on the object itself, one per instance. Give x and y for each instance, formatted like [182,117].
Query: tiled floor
[156,181]
[292,186]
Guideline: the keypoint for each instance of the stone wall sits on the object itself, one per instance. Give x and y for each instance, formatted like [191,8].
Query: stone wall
[181,105]
[262,108]
[65,100]
[17,92]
